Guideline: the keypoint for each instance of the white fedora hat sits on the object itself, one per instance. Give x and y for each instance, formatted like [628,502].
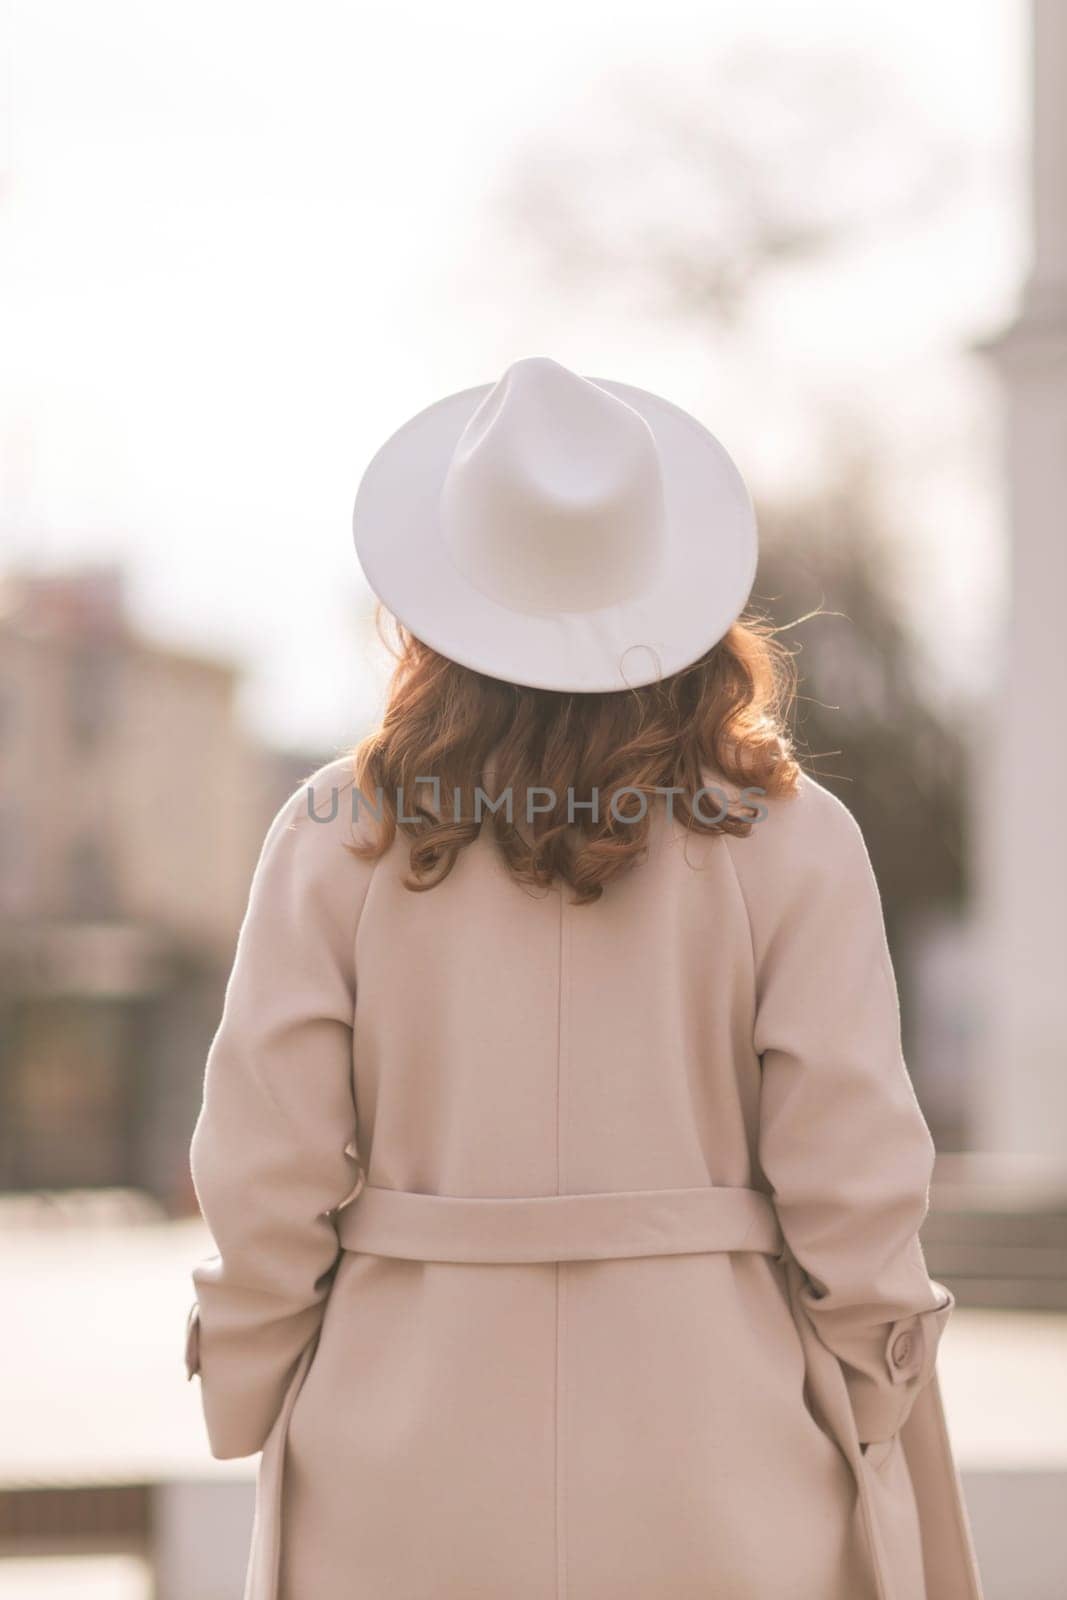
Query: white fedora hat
[562,532]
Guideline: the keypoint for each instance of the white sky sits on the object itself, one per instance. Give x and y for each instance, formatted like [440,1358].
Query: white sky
[240,243]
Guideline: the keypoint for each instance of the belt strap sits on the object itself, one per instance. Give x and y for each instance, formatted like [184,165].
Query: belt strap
[565,1227]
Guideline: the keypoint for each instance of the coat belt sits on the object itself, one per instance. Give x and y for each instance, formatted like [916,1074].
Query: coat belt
[559,1227]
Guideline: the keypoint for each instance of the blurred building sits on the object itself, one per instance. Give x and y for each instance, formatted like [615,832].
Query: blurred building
[132,807]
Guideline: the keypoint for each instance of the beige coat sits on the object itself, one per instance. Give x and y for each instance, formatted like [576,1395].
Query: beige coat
[652,1280]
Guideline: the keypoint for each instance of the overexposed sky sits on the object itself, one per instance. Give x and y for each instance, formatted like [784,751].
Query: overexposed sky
[240,243]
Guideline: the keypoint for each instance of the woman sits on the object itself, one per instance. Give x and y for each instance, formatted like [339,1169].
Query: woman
[564,1170]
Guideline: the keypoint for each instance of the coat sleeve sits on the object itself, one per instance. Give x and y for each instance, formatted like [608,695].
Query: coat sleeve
[271,1149]
[842,1140]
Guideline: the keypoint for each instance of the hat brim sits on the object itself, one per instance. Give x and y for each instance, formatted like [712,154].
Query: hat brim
[701,587]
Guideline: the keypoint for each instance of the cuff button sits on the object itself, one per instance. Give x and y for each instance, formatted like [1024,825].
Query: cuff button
[902,1348]
[192,1341]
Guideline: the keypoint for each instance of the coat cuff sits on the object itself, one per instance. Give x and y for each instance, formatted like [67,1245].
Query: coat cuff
[244,1372]
[881,1404]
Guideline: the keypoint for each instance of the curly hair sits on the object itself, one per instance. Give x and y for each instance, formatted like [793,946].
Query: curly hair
[476,735]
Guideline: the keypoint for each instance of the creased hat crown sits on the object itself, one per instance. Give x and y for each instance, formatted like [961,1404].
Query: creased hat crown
[553,500]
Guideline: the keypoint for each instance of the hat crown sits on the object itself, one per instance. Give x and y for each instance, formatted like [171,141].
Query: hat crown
[554,498]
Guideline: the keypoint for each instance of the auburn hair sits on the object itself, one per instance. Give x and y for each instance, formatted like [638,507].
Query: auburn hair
[726,715]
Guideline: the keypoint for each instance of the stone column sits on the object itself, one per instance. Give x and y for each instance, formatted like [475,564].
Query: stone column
[1019,774]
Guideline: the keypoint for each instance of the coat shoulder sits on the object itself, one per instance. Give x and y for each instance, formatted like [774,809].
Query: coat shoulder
[811,814]
[804,872]
[320,834]
[799,838]
[327,807]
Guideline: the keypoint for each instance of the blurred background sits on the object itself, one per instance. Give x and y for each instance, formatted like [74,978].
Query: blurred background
[238,246]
